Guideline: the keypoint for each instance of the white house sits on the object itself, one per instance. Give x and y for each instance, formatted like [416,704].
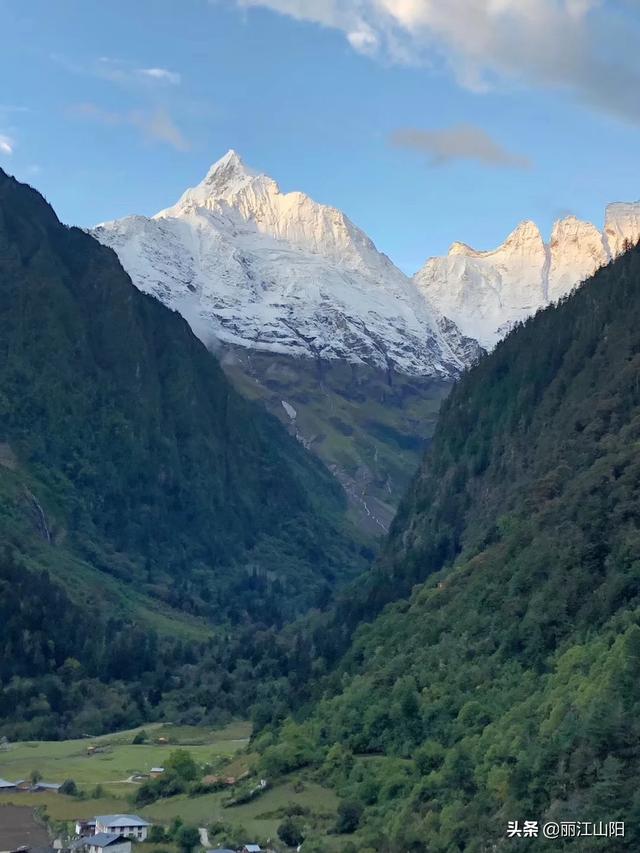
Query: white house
[108,842]
[85,827]
[128,825]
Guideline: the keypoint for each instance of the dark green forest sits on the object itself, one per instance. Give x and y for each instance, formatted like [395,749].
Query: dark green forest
[497,673]
[145,507]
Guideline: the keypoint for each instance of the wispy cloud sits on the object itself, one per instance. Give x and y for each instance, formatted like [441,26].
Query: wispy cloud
[92,111]
[162,74]
[122,71]
[156,125]
[585,47]
[160,126]
[126,72]
[460,142]
[7,144]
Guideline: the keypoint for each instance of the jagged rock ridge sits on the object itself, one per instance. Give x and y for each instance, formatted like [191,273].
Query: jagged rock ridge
[485,293]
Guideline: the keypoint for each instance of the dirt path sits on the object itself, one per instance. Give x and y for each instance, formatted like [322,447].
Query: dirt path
[130,781]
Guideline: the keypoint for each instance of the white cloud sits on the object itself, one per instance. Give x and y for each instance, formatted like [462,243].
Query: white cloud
[162,74]
[461,142]
[587,47]
[7,144]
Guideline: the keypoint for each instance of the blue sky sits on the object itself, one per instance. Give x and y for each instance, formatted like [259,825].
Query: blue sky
[425,124]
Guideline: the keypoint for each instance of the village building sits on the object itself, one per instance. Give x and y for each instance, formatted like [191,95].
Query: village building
[130,826]
[155,772]
[85,827]
[252,848]
[110,842]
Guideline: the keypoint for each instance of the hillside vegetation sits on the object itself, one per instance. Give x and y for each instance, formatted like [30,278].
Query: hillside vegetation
[136,486]
[502,679]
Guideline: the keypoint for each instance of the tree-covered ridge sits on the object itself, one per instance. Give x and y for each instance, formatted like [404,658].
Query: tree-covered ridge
[506,685]
[128,422]
[130,470]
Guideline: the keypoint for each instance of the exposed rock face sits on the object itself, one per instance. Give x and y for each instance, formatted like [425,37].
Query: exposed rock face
[369,427]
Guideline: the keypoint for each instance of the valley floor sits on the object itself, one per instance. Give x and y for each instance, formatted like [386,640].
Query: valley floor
[107,771]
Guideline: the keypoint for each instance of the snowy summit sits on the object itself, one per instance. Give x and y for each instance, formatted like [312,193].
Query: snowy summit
[485,293]
[251,266]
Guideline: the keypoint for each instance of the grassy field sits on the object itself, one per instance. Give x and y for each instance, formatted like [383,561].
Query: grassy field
[57,761]
[256,817]
[60,760]
[60,807]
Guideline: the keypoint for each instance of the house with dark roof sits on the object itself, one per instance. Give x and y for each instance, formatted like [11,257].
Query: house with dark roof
[110,842]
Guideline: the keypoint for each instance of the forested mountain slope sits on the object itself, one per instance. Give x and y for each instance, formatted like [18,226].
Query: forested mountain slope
[507,685]
[133,473]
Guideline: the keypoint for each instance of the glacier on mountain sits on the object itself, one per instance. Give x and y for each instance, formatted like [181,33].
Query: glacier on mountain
[248,265]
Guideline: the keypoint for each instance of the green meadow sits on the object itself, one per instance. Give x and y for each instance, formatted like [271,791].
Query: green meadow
[117,758]
[258,817]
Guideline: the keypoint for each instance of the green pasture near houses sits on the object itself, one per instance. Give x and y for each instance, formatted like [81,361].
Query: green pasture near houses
[117,759]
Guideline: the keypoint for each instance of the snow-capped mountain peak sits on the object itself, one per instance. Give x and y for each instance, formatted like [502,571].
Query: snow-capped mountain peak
[252,266]
[227,177]
[230,163]
[254,200]
[486,292]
